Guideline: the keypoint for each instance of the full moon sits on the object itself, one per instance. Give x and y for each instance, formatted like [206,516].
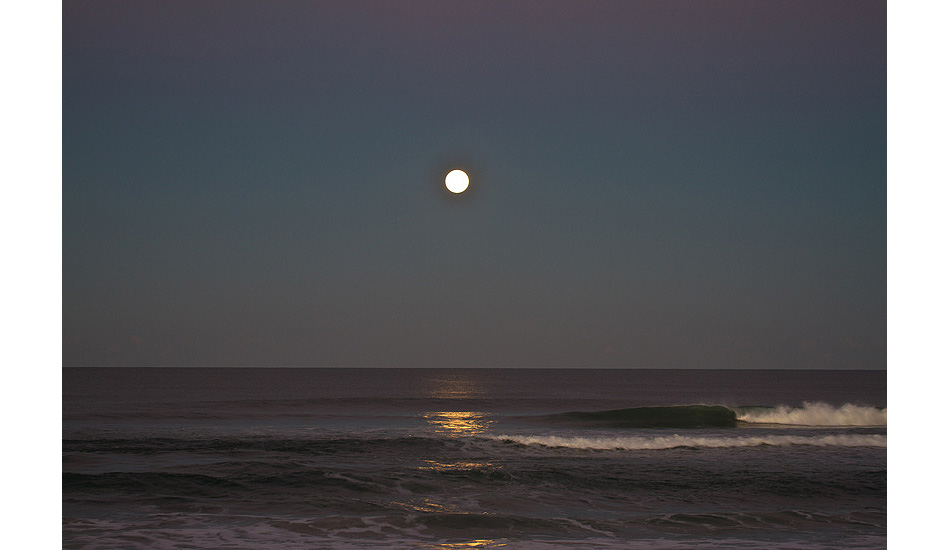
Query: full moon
[456,181]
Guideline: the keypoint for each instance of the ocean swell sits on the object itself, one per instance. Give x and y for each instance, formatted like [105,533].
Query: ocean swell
[674,441]
[686,416]
[719,416]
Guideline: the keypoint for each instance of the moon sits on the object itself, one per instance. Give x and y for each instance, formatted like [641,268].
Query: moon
[456,181]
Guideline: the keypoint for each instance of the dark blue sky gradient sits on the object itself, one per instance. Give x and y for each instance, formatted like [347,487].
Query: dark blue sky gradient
[654,184]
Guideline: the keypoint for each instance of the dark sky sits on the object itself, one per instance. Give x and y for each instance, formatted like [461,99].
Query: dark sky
[654,184]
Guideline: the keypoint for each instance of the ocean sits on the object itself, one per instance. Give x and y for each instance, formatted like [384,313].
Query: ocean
[312,458]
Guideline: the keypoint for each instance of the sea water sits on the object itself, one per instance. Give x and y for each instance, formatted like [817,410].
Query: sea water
[477,458]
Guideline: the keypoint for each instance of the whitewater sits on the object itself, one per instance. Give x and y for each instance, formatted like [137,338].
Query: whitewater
[473,458]
[675,441]
[815,414]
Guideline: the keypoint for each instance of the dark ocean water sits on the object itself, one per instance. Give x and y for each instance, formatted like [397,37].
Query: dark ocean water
[433,458]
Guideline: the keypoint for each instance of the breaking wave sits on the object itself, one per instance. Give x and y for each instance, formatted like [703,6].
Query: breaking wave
[814,414]
[674,441]
[719,416]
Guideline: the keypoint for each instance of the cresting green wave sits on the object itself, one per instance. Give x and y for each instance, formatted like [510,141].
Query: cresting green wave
[687,416]
[719,416]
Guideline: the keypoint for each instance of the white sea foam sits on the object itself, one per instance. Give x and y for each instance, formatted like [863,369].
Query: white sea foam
[816,414]
[673,441]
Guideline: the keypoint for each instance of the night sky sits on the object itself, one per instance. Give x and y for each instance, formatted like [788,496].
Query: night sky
[654,184]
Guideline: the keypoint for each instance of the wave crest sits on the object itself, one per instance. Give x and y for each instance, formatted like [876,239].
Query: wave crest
[815,414]
[682,416]
[674,441]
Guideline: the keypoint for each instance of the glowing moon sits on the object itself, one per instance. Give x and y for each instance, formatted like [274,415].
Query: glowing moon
[456,181]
